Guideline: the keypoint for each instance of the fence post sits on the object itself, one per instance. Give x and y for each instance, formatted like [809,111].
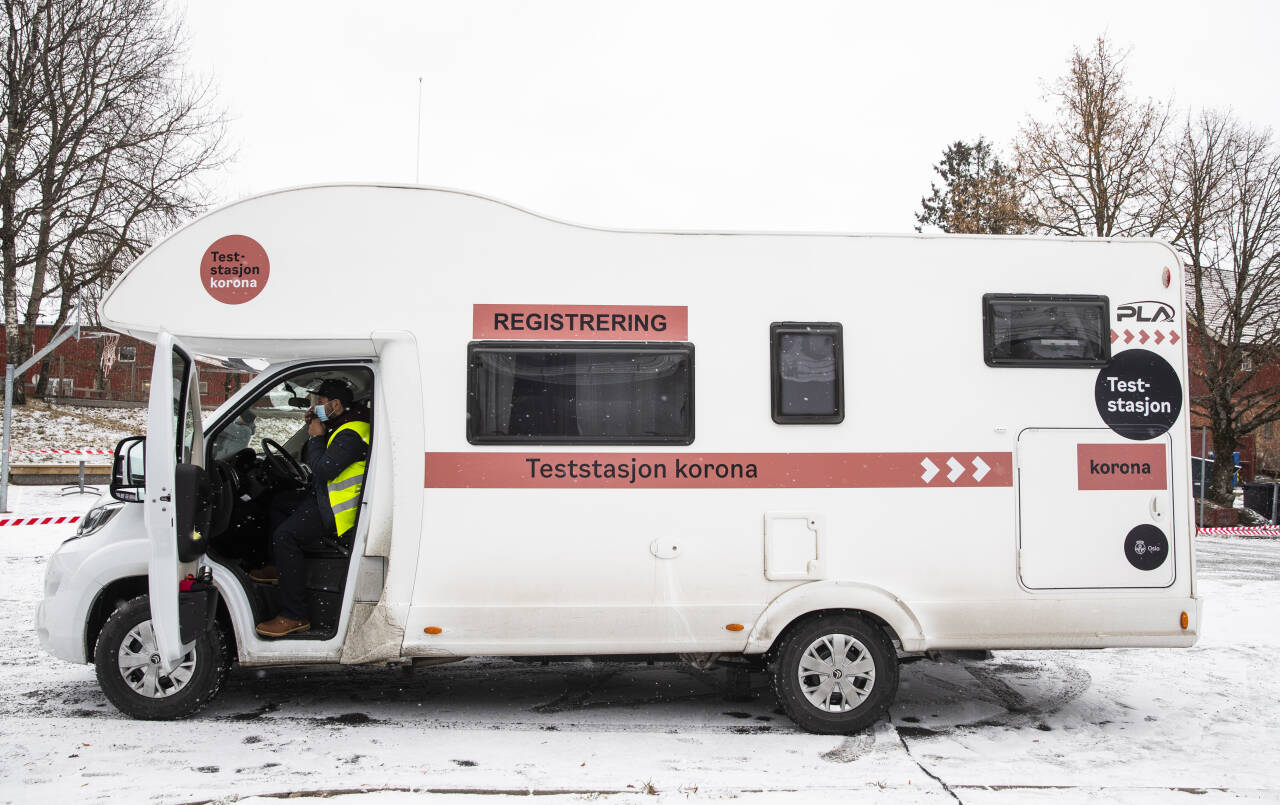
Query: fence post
[1204,457]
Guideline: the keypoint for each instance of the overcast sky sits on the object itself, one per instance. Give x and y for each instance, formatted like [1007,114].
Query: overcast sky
[821,116]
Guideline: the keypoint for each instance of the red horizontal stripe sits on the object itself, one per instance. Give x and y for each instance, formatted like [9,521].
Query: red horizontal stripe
[533,470]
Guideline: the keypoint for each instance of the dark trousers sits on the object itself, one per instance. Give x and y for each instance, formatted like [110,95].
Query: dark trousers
[292,533]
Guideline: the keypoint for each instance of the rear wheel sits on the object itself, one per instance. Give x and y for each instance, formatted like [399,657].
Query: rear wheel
[127,660]
[835,674]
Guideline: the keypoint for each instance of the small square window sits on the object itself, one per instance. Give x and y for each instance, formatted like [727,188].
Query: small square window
[204,387]
[807,372]
[1246,364]
[126,354]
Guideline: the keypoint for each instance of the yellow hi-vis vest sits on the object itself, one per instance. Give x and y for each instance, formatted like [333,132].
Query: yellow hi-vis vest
[344,490]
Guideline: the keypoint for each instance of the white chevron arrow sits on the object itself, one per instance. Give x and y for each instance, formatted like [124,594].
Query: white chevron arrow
[957,469]
[930,470]
[980,469]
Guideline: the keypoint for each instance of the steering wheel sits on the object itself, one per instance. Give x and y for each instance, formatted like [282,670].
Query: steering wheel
[284,464]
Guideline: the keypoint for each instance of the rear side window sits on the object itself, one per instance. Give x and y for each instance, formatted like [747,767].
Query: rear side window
[571,393]
[808,372]
[1033,330]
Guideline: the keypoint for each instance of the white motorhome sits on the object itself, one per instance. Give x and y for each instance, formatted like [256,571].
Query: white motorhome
[811,453]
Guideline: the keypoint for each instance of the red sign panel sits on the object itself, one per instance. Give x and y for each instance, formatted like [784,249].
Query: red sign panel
[234,269]
[484,470]
[1121,466]
[581,322]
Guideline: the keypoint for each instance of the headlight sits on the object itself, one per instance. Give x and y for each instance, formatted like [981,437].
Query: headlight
[97,517]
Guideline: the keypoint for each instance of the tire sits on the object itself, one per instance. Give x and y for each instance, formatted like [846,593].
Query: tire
[840,698]
[135,688]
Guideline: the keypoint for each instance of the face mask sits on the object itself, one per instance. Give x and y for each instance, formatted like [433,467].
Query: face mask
[322,413]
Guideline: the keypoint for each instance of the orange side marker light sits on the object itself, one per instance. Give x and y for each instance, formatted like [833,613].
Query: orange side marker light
[735,627]
[1184,620]
[433,630]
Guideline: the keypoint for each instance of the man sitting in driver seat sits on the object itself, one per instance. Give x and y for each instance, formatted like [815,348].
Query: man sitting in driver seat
[336,451]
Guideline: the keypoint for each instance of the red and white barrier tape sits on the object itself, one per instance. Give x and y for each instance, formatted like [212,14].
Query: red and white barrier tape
[1243,531]
[64,520]
[68,452]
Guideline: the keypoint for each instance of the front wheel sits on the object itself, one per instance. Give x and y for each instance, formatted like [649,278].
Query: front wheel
[835,674]
[127,660]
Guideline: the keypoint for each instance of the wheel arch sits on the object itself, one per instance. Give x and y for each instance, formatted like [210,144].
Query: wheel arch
[853,598]
[108,599]
[122,590]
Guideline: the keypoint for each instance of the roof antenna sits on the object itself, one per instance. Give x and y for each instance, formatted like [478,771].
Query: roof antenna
[417,164]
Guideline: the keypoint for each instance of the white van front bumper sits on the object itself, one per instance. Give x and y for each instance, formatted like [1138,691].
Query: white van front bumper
[77,573]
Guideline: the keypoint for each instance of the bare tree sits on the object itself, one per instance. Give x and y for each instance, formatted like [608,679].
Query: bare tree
[1225,185]
[1095,168]
[104,145]
[979,194]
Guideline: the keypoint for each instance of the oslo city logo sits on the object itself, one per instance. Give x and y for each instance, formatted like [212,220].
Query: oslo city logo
[1146,547]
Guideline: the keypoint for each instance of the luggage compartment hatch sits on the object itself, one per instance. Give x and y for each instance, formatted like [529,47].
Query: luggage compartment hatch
[1095,510]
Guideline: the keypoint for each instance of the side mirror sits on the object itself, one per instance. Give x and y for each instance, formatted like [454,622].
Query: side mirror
[128,476]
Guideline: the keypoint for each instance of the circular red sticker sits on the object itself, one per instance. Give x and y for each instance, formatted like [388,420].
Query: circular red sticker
[234,269]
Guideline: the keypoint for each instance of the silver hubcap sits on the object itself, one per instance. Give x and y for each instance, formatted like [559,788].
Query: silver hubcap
[139,663]
[836,673]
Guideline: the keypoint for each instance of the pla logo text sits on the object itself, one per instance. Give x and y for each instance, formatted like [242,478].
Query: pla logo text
[1148,312]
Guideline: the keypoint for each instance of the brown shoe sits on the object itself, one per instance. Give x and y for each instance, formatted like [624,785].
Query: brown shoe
[265,575]
[279,626]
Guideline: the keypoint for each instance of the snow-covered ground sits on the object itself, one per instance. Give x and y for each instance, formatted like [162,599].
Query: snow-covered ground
[40,426]
[43,431]
[1148,726]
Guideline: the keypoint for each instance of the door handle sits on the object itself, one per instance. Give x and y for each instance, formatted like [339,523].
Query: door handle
[1156,513]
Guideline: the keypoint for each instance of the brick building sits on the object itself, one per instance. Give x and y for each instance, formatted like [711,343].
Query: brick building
[1260,450]
[106,366]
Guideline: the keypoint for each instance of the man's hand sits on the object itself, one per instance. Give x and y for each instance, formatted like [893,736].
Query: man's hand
[315,427]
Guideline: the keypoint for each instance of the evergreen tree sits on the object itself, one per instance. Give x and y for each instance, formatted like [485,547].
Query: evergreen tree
[979,193]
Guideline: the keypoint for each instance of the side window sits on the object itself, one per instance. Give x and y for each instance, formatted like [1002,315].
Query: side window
[570,393]
[278,411]
[1042,330]
[807,363]
[181,368]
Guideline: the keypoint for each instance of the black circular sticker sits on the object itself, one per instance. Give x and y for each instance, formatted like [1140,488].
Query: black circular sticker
[1146,547]
[1138,394]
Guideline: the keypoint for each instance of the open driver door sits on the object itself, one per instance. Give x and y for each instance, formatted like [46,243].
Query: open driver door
[176,500]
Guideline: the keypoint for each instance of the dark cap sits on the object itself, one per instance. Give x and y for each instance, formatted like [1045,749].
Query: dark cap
[334,389]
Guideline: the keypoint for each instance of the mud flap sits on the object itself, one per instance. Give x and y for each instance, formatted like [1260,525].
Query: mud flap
[197,608]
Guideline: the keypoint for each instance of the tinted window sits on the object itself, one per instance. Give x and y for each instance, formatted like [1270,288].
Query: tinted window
[1025,330]
[807,363]
[580,394]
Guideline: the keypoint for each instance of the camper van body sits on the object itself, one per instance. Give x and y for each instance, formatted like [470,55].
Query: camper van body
[942,493]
